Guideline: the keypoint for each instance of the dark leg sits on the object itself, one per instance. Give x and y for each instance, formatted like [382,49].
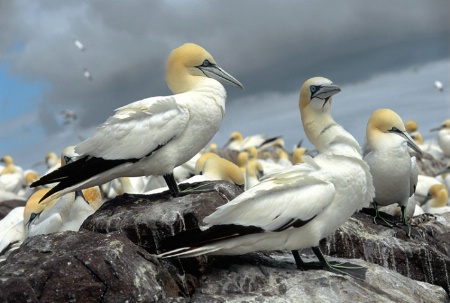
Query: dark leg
[172,184]
[79,193]
[378,219]
[405,226]
[303,265]
[346,268]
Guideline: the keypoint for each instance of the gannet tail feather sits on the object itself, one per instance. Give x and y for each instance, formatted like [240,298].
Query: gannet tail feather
[195,239]
[76,172]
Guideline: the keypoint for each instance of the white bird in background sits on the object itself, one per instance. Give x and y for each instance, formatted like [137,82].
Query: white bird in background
[393,170]
[437,199]
[79,45]
[253,173]
[297,207]
[12,229]
[439,86]
[164,132]
[11,177]
[87,74]
[444,137]
[69,116]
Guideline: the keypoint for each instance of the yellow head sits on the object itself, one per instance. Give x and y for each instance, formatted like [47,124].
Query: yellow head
[411,126]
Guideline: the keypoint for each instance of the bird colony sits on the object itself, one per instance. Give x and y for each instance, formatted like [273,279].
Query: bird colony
[292,198]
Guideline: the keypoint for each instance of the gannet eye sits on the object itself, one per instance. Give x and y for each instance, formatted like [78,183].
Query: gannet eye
[206,63]
[313,88]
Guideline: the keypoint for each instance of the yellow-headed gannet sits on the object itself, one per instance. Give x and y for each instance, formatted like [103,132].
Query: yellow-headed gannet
[297,207]
[437,200]
[411,126]
[444,137]
[393,170]
[154,135]
[11,177]
[52,161]
[253,173]
[237,142]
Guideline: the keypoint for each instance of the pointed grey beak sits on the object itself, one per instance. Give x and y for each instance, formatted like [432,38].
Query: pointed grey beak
[217,73]
[436,128]
[442,171]
[326,91]
[409,141]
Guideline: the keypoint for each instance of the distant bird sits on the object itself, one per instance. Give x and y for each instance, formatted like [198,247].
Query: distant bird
[69,116]
[444,137]
[393,170]
[79,45]
[11,176]
[437,199]
[439,86]
[253,173]
[87,74]
[154,135]
[411,126]
[297,207]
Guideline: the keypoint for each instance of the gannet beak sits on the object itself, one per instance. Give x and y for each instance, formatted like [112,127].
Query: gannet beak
[427,198]
[442,171]
[437,128]
[409,140]
[217,73]
[326,91]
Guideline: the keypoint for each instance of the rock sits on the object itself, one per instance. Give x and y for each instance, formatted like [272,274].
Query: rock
[424,258]
[146,219]
[83,267]
[7,206]
[273,277]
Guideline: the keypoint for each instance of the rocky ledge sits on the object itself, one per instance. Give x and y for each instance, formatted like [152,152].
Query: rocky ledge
[112,260]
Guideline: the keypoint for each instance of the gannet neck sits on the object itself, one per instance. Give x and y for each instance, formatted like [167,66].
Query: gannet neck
[9,168]
[199,165]
[218,168]
[188,64]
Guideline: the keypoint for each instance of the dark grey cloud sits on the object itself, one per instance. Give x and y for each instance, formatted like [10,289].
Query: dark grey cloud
[267,45]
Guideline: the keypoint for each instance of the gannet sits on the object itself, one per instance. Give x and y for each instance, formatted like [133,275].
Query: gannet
[444,136]
[393,170]
[52,161]
[297,207]
[154,135]
[411,126]
[436,202]
[11,228]
[253,173]
[11,177]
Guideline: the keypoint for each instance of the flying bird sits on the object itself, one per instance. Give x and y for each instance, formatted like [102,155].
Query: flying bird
[296,207]
[79,45]
[154,135]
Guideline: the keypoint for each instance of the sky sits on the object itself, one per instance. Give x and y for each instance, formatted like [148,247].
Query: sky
[375,50]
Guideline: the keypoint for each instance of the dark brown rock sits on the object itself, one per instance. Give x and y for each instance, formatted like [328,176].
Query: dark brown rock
[7,206]
[424,258]
[83,267]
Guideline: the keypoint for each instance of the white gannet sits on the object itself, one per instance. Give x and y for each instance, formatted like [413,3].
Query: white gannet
[11,228]
[444,137]
[154,135]
[52,161]
[437,199]
[393,170]
[11,177]
[297,207]
[253,173]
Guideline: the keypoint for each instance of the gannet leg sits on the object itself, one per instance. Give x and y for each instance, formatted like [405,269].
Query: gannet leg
[378,219]
[405,226]
[345,268]
[172,185]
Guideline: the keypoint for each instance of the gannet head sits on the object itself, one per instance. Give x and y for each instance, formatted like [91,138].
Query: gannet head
[51,159]
[252,152]
[316,93]
[223,169]
[297,155]
[68,155]
[33,208]
[9,168]
[188,63]
[201,162]
[438,195]
[385,121]
[255,169]
[417,137]
[411,126]
[242,158]
[30,177]
[444,125]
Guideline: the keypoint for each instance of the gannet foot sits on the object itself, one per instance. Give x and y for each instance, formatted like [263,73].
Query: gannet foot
[378,220]
[409,230]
